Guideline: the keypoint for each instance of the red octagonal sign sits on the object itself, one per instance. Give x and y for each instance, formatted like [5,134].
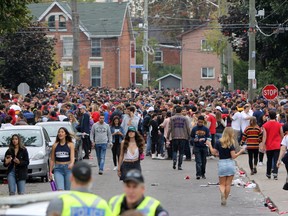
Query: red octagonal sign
[270,92]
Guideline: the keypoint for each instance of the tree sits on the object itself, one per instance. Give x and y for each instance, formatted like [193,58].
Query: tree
[14,14]
[271,44]
[28,57]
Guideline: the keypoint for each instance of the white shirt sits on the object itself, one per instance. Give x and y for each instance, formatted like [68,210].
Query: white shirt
[245,122]
[285,141]
[236,121]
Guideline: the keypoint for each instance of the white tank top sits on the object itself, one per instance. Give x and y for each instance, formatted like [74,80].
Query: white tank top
[129,156]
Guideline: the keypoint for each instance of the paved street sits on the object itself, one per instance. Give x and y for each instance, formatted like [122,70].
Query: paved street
[176,194]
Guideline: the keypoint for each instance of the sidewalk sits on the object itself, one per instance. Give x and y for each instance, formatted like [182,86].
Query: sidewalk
[269,187]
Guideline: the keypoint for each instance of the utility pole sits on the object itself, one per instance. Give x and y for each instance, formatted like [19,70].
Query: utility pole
[252,48]
[145,72]
[75,29]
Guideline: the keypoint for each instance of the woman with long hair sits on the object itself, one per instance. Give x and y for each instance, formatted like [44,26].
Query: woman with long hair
[62,159]
[17,161]
[131,149]
[117,137]
[253,137]
[220,125]
[73,120]
[225,149]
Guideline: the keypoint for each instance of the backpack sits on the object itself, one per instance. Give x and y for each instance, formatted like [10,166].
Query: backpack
[29,116]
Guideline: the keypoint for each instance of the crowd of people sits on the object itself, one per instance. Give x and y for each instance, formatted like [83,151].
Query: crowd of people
[161,124]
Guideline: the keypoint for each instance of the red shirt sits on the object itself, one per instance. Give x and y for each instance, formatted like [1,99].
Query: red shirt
[273,136]
[211,118]
[95,116]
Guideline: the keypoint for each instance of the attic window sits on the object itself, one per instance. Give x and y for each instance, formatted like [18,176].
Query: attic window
[62,22]
[51,22]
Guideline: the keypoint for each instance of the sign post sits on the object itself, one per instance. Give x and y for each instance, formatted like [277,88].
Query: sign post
[270,92]
[23,89]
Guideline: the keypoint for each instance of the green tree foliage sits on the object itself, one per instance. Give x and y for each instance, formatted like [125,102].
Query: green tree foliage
[28,57]
[177,16]
[14,14]
[272,51]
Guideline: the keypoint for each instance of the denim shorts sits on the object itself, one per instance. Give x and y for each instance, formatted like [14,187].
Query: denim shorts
[226,167]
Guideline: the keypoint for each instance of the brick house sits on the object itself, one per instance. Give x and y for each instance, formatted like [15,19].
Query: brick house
[106,43]
[200,66]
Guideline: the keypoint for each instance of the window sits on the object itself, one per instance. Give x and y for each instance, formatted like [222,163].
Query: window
[67,46]
[67,75]
[207,73]
[96,76]
[62,22]
[158,57]
[95,47]
[51,22]
[205,46]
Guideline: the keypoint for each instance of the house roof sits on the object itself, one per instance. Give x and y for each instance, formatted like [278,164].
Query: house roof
[96,19]
[193,29]
[167,75]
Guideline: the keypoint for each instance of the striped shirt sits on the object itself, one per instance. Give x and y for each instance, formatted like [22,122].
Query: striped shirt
[252,136]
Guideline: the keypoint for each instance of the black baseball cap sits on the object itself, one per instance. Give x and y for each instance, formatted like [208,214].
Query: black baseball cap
[134,176]
[82,171]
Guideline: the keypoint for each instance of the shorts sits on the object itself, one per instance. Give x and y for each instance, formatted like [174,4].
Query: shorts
[226,167]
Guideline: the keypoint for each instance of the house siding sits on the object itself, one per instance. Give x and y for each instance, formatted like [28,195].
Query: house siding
[193,59]
[170,82]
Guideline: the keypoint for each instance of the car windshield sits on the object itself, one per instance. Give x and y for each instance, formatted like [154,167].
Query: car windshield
[28,137]
[52,129]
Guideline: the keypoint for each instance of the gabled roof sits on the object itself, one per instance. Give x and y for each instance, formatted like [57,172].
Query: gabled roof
[193,29]
[96,19]
[167,75]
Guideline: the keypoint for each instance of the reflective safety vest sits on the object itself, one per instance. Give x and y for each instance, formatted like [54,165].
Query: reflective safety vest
[147,207]
[80,203]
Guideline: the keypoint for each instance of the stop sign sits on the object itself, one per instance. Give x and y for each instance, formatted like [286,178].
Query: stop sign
[270,92]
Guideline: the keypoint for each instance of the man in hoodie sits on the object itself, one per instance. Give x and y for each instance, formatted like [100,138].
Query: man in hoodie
[100,137]
[199,136]
[179,129]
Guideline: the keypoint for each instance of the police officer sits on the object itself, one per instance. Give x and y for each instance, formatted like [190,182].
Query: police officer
[133,198]
[79,201]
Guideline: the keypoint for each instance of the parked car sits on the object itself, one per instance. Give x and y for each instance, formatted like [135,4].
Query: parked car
[36,140]
[52,130]
[29,204]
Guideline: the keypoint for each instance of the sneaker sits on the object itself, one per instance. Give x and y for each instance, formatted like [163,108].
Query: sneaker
[197,177]
[160,157]
[180,168]
[154,156]
[268,176]
[100,172]
[203,177]
[275,176]
[115,168]
[252,173]
[261,164]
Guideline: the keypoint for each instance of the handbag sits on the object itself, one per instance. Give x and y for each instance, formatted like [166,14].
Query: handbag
[142,156]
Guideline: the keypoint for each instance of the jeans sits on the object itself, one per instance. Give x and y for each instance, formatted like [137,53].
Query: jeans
[253,154]
[187,150]
[86,146]
[272,158]
[62,176]
[100,154]
[13,183]
[178,145]
[161,143]
[201,160]
[148,147]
